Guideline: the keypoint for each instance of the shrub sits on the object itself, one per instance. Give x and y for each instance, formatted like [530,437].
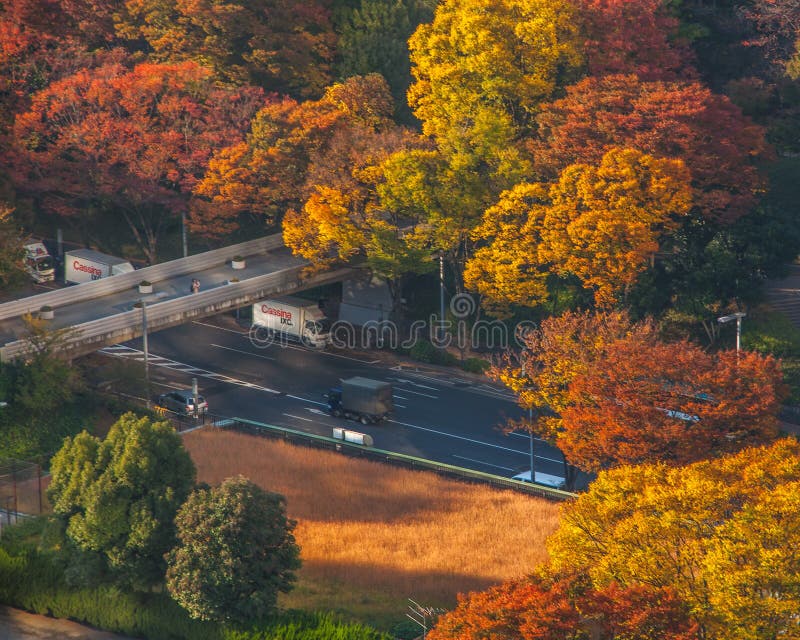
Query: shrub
[424,351]
[46,307]
[145,283]
[237,258]
[771,333]
[475,365]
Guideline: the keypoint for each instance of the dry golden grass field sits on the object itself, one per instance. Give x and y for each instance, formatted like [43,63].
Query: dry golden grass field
[372,535]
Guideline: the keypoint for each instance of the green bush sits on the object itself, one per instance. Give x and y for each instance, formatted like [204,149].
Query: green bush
[771,333]
[34,580]
[424,351]
[475,365]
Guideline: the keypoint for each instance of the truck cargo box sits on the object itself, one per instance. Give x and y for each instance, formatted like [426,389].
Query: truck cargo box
[366,396]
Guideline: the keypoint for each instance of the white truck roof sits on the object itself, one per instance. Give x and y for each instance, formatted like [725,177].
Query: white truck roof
[89,254]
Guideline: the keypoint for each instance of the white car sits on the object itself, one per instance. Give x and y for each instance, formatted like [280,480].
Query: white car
[557,482]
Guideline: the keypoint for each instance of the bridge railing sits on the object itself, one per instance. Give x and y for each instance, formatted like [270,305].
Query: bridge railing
[95,334]
[154,273]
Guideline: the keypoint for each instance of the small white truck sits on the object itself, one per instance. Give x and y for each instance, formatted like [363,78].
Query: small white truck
[294,319]
[85,265]
[39,262]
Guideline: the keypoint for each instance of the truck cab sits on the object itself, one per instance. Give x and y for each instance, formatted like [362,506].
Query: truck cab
[39,262]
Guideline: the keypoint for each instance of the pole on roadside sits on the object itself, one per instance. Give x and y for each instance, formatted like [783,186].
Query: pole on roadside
[146,354]
[441,298]
[183,234]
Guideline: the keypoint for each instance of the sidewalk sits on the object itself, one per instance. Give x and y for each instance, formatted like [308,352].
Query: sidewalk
[16,624]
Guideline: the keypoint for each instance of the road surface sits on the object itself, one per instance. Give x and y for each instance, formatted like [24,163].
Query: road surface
[439,415]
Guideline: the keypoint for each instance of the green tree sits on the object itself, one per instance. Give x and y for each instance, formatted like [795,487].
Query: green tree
[373,38]
[118,497]
[235,552]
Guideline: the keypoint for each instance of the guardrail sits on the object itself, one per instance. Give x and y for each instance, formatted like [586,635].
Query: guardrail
[154,273]
[96,334]
[262,429]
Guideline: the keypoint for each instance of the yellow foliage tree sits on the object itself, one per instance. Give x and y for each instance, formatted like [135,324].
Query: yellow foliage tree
[723,533]
[600,223]
[509,270]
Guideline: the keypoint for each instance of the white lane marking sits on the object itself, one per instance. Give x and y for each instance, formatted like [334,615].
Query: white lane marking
[451,435]
[496,466]
[399,397]
[213,326]
[419,393]
[322,404]
[402,406]
[286,346]
[174,365]
[289,415]
[247,353]
[314,410]
[526,436]
[416,384]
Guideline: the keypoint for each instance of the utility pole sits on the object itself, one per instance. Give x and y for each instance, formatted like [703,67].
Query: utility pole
[146,354]
[441,298]
[183,234]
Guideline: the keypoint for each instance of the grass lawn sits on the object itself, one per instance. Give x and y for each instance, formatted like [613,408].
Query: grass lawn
[372,535]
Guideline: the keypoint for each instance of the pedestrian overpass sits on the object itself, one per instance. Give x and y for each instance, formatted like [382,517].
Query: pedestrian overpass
[111,310]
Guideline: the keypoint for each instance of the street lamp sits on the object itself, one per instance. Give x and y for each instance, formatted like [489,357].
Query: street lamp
[530,433]
[738,317]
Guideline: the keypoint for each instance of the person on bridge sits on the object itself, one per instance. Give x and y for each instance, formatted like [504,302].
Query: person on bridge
[195,285]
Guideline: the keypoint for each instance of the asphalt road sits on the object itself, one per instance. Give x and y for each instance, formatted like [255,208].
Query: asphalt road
[439,415]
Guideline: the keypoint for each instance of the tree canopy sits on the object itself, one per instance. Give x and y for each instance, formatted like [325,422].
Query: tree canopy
[235,552]
[118,497]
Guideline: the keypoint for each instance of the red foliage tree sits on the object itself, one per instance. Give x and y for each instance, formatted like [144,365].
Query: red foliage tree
[675,403]
[640,38]
[682,120]
[126,142]
[544,607]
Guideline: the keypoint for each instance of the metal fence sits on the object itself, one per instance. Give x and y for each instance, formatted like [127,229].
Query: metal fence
[183,423]
[21,490]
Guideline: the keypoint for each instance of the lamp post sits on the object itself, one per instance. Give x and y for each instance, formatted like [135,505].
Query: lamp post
[738,317]
[530,433]
[146,354]
[183,234]
[441,298]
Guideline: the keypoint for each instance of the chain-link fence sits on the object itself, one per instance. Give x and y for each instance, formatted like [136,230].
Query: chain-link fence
[21,490]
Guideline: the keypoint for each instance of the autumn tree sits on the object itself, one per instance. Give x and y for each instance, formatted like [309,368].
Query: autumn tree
[12,253]
[721,533]
[291,148]
[689,406]
[118,497]
[130,143]
[641,38]
[678,120]
[280,45]
[548,605]
[235,553]
[600,223]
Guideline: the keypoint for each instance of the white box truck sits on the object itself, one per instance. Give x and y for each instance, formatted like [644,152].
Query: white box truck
[39,262]
[85,265]
[293,319]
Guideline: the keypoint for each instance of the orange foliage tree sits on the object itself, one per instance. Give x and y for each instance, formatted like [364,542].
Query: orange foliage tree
[607,392]
[546,606]
[669,402]
[681,120]
[277,44]
[292,148]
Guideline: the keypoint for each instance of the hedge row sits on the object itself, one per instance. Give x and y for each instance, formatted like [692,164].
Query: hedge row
[33,581]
